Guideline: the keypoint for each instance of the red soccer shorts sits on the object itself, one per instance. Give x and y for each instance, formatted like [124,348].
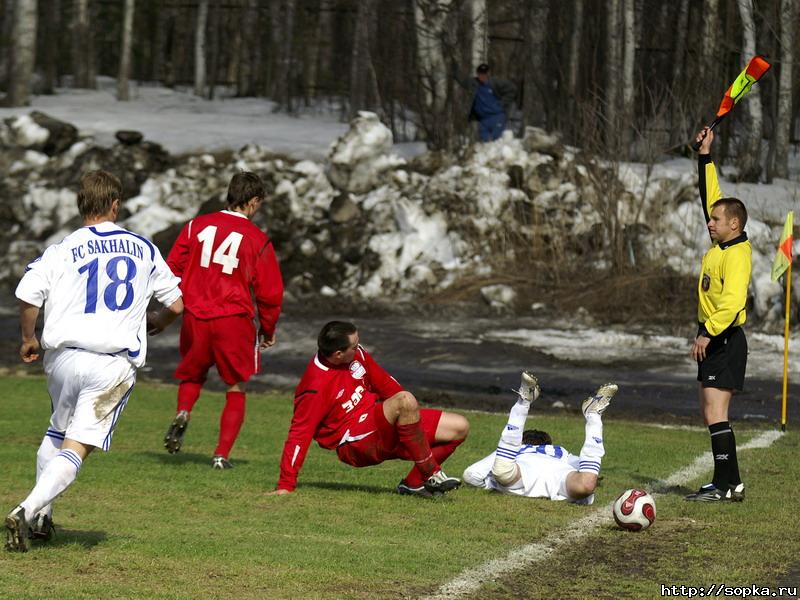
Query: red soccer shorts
[370,439]
[228,342]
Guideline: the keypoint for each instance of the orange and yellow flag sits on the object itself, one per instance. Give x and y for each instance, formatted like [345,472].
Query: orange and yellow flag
[783,257]
[754,70]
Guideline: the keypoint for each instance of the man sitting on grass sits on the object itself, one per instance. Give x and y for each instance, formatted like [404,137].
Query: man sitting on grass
[347,402]
[526,463]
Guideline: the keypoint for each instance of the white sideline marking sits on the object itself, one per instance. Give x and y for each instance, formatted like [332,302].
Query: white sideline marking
[472,579]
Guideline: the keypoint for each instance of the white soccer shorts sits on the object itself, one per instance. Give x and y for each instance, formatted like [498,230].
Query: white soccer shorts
[88,392]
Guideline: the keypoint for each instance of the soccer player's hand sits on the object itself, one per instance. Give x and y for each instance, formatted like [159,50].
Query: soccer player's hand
[154,326]
[279,492]
[698,351]
[266,342]
[29,350]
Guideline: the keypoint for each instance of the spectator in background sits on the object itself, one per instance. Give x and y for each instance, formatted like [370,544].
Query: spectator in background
[491,103]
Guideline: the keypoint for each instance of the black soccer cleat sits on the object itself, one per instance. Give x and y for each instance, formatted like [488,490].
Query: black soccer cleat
[709,493]
[174,437]
[18,532]
[42,527]
[221,463]
[736,493]
[441,483]
[406,490]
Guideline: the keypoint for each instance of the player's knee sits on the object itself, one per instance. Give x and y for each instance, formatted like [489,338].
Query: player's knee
[471,477]
[407,403]
[459,426]
[505,471]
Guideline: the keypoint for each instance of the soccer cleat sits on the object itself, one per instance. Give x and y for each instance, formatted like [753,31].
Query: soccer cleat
[221,463]
[42,527]
[406,490]
[599,402]
[736,493]
[174,437]
[441,483]
[18,532]
[707,494]
[528,387]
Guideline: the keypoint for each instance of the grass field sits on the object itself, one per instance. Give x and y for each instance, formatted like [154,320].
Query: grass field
[139,523]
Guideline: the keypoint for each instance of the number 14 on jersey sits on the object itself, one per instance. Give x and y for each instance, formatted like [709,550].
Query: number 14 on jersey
[225,255]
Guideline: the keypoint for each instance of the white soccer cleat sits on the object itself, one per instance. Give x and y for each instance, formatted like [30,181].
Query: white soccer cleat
[599,402]
[528,387]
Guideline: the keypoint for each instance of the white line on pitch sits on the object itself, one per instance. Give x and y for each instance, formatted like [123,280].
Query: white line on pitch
[472,579]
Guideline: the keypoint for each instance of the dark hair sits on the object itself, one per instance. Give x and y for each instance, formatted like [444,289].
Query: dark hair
[335,336]
[244,186]
[482,68]
[734,209]
[98,191]
[534,437]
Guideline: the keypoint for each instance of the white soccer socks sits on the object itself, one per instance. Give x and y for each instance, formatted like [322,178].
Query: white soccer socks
[56,477]
[505,469]
[48,449]
[593,450]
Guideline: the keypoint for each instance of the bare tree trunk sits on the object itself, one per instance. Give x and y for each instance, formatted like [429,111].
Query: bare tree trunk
[5,41]
[711,26]
[200,48]
[749,154]
[284,27]
[214,54]
[613,60]
[166,34]
[533,105]
[479,16]
[123,91]
[628,87]
[783,125]
[82,45]
[52,13]
[325,43]
[359,59]
[23,49]
[244,85]
[575,50]
[430,17]
[679,52]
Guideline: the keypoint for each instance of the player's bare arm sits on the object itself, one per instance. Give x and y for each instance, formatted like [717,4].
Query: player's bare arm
[29,349]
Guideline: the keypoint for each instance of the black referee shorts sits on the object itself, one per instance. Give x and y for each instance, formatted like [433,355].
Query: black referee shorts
[725,362]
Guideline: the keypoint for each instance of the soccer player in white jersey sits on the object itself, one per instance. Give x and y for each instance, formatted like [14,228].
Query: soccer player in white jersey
[95,286]
[526,463]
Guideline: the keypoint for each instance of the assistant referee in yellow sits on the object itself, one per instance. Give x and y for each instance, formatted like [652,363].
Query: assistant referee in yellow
[720,347]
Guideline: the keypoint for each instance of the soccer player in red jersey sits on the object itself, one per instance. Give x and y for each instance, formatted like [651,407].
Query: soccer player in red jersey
[223,258]
[347,402]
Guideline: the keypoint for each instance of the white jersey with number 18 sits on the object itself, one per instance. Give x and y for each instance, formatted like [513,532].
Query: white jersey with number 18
[95,286]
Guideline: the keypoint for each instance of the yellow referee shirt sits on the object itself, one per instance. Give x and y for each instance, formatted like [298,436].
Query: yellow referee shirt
[725,272]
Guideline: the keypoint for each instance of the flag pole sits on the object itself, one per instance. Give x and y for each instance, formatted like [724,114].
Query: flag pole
[786,344]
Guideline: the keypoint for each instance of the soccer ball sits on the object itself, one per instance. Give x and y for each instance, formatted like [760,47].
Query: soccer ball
[634,510]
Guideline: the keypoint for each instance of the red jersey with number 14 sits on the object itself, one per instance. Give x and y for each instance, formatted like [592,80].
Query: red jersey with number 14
[220,257]
[326,401]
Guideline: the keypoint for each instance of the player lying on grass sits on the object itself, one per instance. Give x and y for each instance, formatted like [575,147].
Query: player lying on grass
[348,403]
[95,286]
[526,463]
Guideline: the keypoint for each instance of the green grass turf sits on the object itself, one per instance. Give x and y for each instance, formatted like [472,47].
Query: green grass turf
[139,523]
